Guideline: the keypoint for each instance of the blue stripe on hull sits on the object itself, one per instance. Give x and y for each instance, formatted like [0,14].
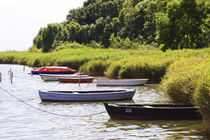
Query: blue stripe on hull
[68,72]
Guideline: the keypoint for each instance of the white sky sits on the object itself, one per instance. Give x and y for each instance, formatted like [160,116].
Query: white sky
[20,20]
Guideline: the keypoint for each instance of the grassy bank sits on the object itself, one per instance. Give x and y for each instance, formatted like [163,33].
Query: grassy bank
[73,58]
[140,64]
[187,80]
[186,72]
[113,63]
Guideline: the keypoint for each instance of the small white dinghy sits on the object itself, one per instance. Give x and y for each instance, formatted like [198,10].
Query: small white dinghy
[121,82]
[97,95]
[55,77]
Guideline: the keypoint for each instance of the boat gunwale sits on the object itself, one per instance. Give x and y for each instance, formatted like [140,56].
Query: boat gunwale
[67,74]
[73,78]
[89,92]
[153,106]
[122,82]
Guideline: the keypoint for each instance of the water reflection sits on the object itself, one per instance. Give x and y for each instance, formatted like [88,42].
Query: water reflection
[157,129]
[150,93]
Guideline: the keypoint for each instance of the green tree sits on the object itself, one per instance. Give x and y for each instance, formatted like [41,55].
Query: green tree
[37,41]
[152,7]
[47,36]
[173,24]
[71,31]
[181,26]
[84,34]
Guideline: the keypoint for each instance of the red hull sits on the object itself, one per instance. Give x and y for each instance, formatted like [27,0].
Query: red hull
[76,80]
[53,70]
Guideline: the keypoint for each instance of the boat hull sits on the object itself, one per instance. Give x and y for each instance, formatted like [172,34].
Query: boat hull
[121,82]
[76,80]
[151,112]
[55,77]
[53,70]
[102,95]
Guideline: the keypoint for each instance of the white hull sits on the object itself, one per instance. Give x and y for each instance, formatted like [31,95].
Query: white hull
[121,82]
[101,95]
[55,77]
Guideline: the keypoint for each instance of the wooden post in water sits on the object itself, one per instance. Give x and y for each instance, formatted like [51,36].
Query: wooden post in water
[79,76]
[10,72]
[11,76]
[0,76]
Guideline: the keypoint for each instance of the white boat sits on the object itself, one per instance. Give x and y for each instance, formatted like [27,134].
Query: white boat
[98,95]
[121,82]
[55,77]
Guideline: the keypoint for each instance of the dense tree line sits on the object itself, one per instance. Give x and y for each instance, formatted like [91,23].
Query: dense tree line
[129,23]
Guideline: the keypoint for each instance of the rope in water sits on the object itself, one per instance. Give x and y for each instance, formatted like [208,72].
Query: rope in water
[48,111]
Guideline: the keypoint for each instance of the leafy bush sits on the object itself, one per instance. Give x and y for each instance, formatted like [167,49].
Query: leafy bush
[94,44]
[119,43]
[67,45]
[34,49]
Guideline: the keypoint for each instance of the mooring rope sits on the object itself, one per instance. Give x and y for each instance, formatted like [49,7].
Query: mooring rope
[48,111]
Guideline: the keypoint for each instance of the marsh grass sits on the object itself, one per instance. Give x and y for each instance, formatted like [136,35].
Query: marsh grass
[95,67]
[144,67]
[187,80]
[138,67]
[114,63]
[202,94]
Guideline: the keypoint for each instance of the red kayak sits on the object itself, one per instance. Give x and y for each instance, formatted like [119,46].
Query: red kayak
[76,80]
[53,70]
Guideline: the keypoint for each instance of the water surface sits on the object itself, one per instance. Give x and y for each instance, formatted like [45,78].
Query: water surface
[19,121]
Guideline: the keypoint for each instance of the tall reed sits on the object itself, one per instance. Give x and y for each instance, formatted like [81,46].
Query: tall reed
[187,80]
[202,94]
[95,67]
[139,67]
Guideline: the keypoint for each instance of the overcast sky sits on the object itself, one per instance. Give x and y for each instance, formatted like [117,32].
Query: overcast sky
[20,20]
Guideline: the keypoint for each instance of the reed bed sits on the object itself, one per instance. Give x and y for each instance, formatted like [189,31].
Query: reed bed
[113,63]
[187,80]
[139,67]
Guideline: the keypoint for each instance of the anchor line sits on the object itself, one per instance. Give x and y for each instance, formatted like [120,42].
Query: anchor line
[42,110]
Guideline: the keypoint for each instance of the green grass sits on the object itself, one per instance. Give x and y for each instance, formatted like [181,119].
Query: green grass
[201,95]
[113,63]
[187,80]
[139,67]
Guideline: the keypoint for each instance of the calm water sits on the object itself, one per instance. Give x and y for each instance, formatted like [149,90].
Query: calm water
[21,122]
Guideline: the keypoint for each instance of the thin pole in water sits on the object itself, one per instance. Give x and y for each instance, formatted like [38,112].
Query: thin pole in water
[10,72]
[79,76]
[0,76]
